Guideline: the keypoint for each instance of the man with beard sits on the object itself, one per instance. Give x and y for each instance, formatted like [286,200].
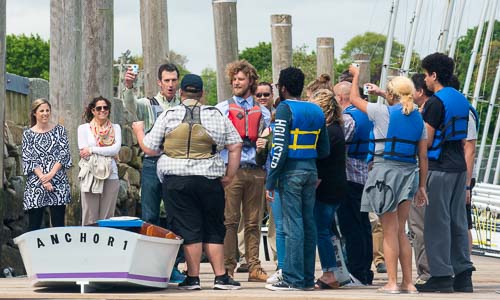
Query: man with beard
[299,138]
[244,194]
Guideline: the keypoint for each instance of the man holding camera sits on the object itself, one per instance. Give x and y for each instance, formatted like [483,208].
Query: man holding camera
[244,194]
[148,109]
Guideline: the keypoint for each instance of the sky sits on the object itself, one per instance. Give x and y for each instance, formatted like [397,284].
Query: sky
[191,30]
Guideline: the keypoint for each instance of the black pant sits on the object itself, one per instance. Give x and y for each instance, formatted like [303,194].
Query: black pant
[35,217]
[356,230]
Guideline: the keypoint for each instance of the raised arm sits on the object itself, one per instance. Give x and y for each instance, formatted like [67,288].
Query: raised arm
[356,100]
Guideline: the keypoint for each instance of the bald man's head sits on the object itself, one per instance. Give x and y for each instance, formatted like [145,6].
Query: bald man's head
[342,91]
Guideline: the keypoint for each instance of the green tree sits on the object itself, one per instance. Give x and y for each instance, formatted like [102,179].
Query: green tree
[28,56]
[260,57]
[306,62]
[209,77]
[462,58]
[373,44]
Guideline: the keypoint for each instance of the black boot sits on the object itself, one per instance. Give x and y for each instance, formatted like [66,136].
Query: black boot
[442,284]
[463,282]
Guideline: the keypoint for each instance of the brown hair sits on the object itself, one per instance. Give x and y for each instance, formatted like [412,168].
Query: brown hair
[326,100]
[34,106]
[246,68]
[402,88]
[88,115]
[322,82]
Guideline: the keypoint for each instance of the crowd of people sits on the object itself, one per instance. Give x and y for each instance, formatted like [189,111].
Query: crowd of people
[319,164]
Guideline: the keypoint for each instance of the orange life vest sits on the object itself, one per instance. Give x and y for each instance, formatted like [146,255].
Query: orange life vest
[246,122]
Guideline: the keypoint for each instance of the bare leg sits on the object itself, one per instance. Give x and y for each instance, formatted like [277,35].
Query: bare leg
[390,227]
[215,253]
[404,247]
[193,257]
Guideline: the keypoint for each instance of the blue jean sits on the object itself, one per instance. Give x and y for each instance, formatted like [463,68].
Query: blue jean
[324,215]
[150,191]
[280,235]
[297,190]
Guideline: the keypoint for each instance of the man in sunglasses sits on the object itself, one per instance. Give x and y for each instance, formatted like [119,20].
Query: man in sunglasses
[148,109]
[244,194]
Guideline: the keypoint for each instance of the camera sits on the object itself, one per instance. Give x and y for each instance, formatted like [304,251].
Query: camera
[366,89]
[355,65]
[135,68]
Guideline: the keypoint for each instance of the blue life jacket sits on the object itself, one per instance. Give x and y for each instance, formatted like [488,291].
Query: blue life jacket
[307,121]
[157,109]
[456,118]
[402,137]
[358,146]
[403,134]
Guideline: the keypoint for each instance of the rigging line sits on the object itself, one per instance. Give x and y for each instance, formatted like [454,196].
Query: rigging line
[430,15]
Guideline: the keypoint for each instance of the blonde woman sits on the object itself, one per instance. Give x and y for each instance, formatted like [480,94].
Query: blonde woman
[398,138]
[99,142]
[322,82]
[332,186]
[45,157]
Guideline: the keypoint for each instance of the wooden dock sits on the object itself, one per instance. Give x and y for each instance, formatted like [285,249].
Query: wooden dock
[486,282]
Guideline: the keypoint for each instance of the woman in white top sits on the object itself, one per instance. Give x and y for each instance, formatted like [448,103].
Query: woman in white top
[399,137]
[100,137]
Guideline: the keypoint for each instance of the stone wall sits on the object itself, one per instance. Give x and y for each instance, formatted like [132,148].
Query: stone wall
[12,217]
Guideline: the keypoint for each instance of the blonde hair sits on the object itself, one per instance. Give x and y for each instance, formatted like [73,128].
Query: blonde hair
[402,89]
[34,106]
[326,100]
[322,82]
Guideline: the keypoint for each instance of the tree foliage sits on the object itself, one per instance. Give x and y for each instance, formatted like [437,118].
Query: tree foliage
[28,56]
[260,57]
[462,58]
[373,44]
[209,77]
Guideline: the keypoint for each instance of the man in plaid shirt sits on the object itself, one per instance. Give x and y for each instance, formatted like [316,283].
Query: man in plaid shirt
[194,175]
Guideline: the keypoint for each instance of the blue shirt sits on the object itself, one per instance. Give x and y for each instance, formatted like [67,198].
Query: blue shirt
[247,153]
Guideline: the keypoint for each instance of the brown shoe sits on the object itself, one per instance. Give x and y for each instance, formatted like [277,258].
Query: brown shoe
[257,275]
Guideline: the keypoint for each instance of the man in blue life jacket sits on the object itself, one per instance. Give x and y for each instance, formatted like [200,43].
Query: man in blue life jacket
[446,115]
[300,137]
[355,225]
[470,155]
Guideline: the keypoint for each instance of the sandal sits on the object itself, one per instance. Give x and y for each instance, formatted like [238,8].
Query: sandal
[385,291]
[320,285]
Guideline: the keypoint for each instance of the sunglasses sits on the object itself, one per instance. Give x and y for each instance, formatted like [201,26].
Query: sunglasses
[101,108]
[260,95]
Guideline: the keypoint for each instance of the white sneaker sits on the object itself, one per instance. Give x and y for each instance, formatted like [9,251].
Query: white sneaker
[354,282]
[275,278]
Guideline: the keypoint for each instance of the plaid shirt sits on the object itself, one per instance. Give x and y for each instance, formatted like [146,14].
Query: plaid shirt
[356,169]
[217,126]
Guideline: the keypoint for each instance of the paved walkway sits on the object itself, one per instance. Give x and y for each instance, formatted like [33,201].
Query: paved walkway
[486,282]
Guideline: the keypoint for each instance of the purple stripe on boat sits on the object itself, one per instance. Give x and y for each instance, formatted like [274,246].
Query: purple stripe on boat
[101,275]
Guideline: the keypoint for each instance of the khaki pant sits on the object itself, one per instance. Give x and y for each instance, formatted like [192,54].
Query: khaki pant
[100,206]
[378,240]
[416,226]
[244,201]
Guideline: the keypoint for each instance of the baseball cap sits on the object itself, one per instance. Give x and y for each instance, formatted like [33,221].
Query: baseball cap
[192,83]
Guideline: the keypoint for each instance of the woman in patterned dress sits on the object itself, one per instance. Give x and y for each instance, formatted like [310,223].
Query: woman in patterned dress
[101,139]
[46,157]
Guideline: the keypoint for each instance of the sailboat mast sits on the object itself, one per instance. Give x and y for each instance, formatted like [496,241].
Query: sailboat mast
[405,66]
[388,47]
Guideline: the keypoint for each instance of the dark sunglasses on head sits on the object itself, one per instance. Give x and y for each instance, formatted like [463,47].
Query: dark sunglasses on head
[99,108]
[260,95]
